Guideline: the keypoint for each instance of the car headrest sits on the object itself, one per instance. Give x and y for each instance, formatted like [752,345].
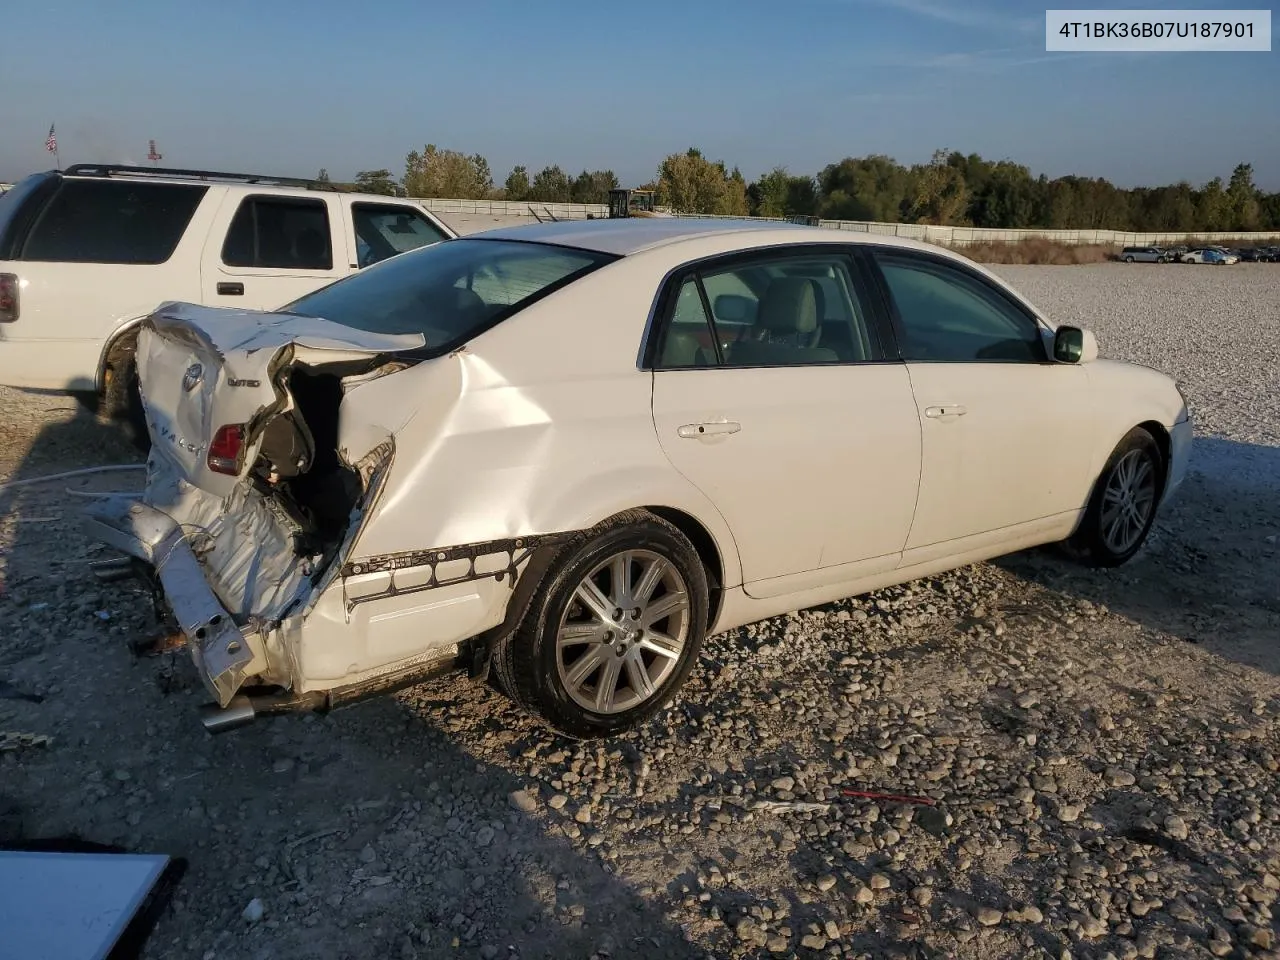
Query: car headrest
[791,305]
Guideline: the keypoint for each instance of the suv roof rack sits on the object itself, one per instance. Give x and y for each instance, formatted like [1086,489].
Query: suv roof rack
[117,169]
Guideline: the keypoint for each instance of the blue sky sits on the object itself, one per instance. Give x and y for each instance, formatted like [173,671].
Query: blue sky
[288,88]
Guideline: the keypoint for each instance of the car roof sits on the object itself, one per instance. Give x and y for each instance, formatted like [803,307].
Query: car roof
[630,235]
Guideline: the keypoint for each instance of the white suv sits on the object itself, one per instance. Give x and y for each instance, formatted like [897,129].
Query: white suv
[87,252]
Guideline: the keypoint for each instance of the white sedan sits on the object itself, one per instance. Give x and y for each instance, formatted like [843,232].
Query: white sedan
[563,455]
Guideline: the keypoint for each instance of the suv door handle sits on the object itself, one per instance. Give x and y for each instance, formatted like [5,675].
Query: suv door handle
[709,428]
[231,289]
[945,411]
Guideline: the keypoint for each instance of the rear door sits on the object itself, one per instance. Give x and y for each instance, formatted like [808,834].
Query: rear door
[795,426]
[377,230]
[266,250]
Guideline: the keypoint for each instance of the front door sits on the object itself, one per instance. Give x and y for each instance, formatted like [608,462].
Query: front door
[795,427]
[1007,436]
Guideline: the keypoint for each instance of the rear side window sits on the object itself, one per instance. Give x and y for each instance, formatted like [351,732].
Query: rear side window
[113,221]
[384,230]
[279,233]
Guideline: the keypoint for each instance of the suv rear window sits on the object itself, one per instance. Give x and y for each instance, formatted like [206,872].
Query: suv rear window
[279,233]
[112,221]
[449,292]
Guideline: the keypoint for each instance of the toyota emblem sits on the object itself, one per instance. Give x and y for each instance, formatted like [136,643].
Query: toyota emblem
[191,379]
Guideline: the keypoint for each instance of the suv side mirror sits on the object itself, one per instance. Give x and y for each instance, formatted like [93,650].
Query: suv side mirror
[1074,345]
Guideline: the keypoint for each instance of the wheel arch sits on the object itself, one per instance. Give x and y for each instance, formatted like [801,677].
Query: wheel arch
[114,346]
[708,550]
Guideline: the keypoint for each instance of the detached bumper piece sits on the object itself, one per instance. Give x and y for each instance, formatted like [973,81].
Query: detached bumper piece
[224,655]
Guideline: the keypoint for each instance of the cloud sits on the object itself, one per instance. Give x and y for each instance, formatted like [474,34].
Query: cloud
[968,15]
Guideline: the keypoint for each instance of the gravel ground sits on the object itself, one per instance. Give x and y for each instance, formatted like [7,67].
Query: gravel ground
[1101,747]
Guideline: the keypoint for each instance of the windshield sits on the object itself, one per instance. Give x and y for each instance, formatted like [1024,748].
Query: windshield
[449,292]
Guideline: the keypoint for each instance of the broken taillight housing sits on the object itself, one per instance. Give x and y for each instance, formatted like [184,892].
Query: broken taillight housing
[224,451]
[8,297]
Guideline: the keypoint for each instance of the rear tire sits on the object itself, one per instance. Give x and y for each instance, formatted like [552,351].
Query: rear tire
[121,401]
[1122,508]
[582,659]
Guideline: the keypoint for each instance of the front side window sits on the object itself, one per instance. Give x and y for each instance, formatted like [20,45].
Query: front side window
[449,292]
[945,315]
[792,310]
[112,221]
[279,233]
[383,230]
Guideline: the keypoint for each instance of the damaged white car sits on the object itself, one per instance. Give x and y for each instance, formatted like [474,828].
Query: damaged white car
[567,453]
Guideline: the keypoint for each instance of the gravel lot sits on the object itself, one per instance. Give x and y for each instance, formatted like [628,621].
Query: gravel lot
[1103,746]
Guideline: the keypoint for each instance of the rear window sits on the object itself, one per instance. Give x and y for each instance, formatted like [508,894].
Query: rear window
[113,221]
[451,291]
[18,207]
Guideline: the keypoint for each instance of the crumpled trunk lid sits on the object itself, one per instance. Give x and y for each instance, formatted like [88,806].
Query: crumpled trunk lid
[204,368]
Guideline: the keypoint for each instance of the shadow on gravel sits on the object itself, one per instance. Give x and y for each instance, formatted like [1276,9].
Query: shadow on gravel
[1210,573]
[370,833]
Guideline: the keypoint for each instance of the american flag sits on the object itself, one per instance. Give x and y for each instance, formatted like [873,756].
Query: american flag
[51,142]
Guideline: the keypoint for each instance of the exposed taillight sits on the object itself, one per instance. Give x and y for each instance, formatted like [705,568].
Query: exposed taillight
[8,298]
[224,451]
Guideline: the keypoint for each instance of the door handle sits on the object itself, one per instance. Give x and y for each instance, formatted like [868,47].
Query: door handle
[709,428]
[945,411]
[231,289]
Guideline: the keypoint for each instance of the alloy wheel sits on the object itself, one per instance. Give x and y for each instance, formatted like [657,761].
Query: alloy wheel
[623,631]
[1128,501]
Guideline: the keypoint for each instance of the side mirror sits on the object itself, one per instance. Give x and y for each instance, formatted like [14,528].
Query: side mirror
[1074,345]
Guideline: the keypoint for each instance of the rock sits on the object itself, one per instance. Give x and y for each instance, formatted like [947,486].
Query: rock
[778,945]
[831,929]
[254,912]
[1091,927]
[922,895]
[826,882]
[784,784]
[864,894]
[1176,827]
[557,801]
[283,765]
[484,836]
[747,930]
[1259,937]
[489,952]
[988,916]
[1115,777]
[880,882]
[583,815]
[1181,910]
[523,801]
[1068,813]
[813,942]
[1270,881]
[368,854]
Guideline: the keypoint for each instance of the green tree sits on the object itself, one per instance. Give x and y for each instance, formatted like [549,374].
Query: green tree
[322,176]
[690,183]
[446,173]
[940,194]
[517,185]
[865,188]
[1213,207]
[377,181]
[1242,198]
[593,187]
[551,185]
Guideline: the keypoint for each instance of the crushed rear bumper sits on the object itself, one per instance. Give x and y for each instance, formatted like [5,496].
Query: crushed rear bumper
[225,654]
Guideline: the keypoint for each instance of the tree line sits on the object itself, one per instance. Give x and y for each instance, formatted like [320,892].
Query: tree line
[951,189]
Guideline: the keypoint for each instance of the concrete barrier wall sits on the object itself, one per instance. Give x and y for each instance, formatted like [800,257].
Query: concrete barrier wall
[956,236]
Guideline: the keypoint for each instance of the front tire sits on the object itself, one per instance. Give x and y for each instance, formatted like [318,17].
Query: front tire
[1122,508]
[613,630]
[121,401]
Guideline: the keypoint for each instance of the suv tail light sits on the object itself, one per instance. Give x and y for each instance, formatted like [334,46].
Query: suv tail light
[224,451]
[8,297]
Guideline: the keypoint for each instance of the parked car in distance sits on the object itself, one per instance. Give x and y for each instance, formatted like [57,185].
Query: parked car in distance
[87,252]
[1209,255]
[531,450]
[1143,255]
